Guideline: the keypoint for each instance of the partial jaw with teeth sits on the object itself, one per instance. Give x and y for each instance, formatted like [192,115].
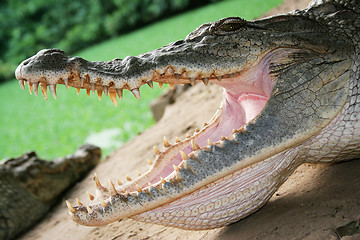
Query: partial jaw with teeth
[177,170]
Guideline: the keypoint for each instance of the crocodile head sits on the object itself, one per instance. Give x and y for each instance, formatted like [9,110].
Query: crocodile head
[286,79]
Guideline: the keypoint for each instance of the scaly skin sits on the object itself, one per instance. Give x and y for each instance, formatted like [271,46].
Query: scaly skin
[29,186]
[290,96]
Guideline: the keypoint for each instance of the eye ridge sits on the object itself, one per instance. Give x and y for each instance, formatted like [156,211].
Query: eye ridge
[233,25]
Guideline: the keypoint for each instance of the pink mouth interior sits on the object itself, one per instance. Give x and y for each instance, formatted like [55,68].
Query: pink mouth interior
[245,96]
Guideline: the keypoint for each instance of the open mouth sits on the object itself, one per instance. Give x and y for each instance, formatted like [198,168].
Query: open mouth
[245,95]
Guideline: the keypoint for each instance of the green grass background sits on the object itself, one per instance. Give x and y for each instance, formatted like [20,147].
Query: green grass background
[55,128]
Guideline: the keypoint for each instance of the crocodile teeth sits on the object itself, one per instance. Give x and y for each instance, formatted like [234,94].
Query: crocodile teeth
[150,83]
[90,211]
[184,156]
[66,83]
[99,93]
[128,178]
[166,142]
[138,188]
[162,180]
[88,92]
[91,197]
[105,90]
[218,78]
[78,201]
[35,87]
[192,81]
[136,93]
[194,145]
[160,85]
[113,98]
[93,88]
[177,140]
[149,162]
[209,142]
[119,93]
[112,188]
[97,182]
[205,80]
[156,150]
[78,91]
[104,204]
[119,182]
[176,168]
[52,88]
[70,207]
[22,84]
[44,90]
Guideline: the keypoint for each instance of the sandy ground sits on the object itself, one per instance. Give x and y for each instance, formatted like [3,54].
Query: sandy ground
[311,204]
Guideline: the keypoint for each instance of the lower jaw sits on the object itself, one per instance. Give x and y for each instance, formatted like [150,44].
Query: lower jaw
[233,114]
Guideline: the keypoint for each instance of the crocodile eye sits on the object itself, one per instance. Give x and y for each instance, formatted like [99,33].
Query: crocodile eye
[229,25]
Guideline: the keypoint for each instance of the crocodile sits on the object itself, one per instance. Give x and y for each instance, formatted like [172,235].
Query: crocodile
[30,186]
[290,96]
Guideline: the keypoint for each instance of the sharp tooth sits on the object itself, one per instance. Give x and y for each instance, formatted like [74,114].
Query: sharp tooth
[78,201]
[150,83]
[30,88]
[82,81]
[136,93]
[119,93]
[70,207]
[91,197]
[88,92]
[138,188]
[150,185]
[166,143]
[112,188]
[128,178]
[204,125]
[99,93]
[192,81]
[209,142]
[52,88]
[171,85]
[234,131]
[156,151]
[149,162]
[113,98]
[90,211]
[77,91]
[162,180]
[105,90]
[93,88]
[44,90]
[218,78]
[35,87]
[104,204]
[194,145]
[22,84]
[97,182]
[66,83]
[223,138]
[160,85]
[138,173]
[119,182]
[188,135]
[205,80]
[197,130]
[176,168]
[184,156]
[177,140]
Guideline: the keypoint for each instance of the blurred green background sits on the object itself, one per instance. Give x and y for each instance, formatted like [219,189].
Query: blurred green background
[94,30]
